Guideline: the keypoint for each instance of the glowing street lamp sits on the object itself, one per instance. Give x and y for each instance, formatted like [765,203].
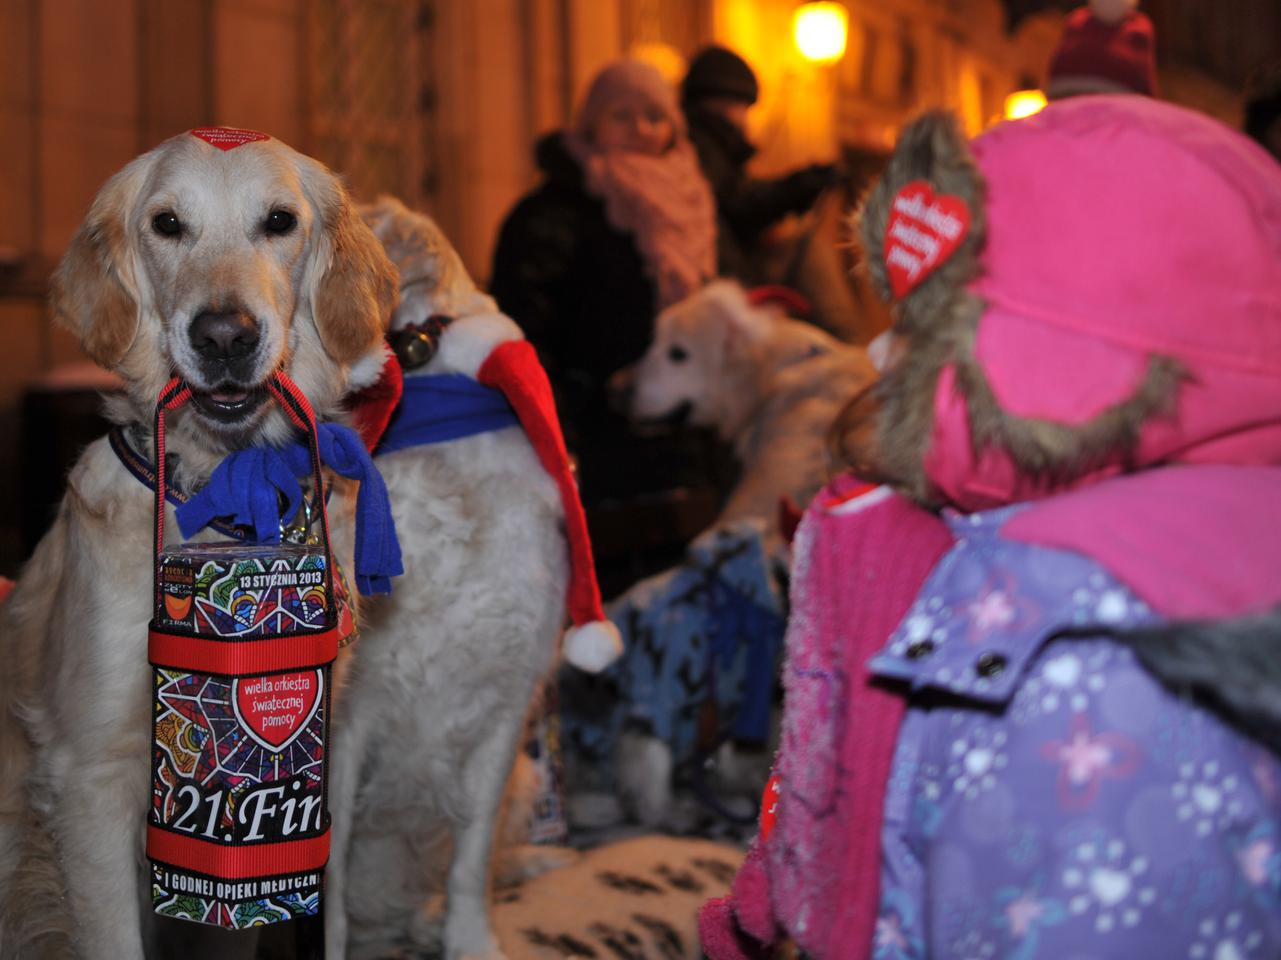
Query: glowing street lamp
[819,30]
[1023,103]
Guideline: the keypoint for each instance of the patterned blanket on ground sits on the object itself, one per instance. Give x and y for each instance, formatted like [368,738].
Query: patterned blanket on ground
[634,900]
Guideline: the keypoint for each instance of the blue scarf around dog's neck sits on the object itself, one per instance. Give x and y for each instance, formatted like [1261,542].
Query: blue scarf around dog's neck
[444,406]
[433,409]
[248,485]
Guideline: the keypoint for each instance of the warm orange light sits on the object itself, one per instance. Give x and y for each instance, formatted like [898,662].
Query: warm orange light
[663,57]
[819,29]
[1023,103]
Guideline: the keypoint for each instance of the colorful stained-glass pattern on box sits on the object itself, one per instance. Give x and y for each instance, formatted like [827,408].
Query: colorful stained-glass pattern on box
[239,761]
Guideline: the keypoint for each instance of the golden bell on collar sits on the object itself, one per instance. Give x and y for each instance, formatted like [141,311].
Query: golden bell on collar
[416,344]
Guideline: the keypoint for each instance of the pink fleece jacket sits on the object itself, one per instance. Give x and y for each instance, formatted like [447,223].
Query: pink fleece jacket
[859,564]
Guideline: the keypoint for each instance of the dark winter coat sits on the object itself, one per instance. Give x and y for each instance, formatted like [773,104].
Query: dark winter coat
[578,288]
[746,207]
[575,284]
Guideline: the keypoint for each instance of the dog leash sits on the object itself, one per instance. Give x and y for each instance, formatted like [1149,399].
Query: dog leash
[140,467]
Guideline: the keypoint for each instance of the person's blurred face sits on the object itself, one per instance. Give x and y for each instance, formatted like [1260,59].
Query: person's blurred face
[635,124]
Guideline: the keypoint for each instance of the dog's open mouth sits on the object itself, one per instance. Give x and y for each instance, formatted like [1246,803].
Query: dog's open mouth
[676,417]
[228,402]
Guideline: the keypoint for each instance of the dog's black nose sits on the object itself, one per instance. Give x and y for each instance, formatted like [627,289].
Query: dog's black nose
[619,390]
[224,336]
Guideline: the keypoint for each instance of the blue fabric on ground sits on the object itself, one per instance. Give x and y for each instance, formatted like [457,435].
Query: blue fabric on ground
[711,627]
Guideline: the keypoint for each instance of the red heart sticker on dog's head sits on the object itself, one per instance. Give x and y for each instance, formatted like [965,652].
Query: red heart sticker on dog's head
[923,231]
[275,709]
[228,138]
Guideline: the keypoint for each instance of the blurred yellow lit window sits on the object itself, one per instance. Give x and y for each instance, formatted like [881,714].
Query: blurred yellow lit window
[1023,103]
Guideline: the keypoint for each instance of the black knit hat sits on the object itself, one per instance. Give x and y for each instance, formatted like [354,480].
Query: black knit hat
[718,72]
[1263,100]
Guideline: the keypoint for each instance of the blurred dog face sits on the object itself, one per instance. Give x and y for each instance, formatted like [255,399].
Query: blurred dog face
[223,266]
[700,348]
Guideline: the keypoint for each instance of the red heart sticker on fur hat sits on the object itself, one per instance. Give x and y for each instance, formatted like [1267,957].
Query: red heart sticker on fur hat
[923,231]
[274,709]
[228,138]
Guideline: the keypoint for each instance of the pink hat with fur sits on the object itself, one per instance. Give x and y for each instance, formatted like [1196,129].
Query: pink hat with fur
[1116,302]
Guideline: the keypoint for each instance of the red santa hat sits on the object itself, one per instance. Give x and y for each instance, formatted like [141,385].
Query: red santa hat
[1107,47]
[491,348]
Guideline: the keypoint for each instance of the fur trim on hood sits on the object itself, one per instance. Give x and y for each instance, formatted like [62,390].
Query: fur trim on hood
[1108,309]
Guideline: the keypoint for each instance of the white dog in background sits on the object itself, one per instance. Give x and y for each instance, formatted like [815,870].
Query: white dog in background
[771,387]
[435,707]
[222,266]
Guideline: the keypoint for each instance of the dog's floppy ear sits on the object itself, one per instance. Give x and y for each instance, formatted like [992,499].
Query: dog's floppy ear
[741,323]
[421,251]
[93,292]
[353,285]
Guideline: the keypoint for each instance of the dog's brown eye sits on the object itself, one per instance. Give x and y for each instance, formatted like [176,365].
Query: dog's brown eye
[166,223]
[280,222]
[677,354]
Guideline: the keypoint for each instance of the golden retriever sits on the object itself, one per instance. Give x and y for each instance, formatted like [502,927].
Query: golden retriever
[434,708]
[222,266]
[769,385]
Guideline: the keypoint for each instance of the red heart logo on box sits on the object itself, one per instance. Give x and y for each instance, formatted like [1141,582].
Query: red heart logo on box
[923,231]
[276,708]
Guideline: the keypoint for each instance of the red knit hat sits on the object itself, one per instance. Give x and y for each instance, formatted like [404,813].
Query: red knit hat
[1107,47]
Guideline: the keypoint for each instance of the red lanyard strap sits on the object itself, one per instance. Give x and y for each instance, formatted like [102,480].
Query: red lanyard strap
[299,410]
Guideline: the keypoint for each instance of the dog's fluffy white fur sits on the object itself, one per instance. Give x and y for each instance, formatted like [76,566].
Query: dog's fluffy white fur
[770,386]
[435,704]
[75,690]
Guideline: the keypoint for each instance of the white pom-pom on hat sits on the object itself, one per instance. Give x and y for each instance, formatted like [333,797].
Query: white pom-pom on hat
[1112,11]
[593,646]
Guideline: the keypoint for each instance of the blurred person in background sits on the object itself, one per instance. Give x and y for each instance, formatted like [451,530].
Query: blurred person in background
[717,92]
[622,225]
[1108,46]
